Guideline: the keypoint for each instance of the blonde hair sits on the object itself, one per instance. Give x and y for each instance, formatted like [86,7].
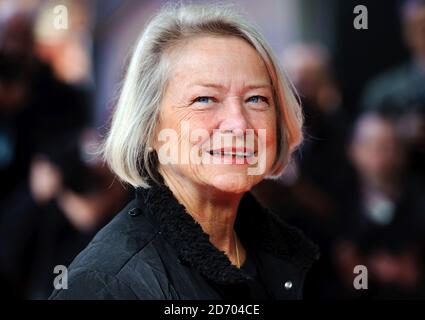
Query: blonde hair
[126,148]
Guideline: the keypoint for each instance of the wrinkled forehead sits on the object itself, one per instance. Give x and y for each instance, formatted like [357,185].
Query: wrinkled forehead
[217,59]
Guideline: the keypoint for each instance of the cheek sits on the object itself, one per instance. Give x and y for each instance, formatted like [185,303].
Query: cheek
[271,143]
[204,122]
[271,149]
[270,138]
[180,118]
[167,119]
[201,128]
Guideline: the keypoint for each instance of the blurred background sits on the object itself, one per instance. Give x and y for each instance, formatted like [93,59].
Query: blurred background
[356,186]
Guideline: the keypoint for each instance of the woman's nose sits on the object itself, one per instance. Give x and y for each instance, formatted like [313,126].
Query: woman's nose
[234,118]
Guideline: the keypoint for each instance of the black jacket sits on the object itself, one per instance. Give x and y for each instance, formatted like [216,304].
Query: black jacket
[153,249]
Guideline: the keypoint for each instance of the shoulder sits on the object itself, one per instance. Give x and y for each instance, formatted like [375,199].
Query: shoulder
[102,269]
[264,228]
[87,284]
[301,250]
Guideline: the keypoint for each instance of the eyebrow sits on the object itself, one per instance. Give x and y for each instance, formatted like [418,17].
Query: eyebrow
[259,86]
[219,86]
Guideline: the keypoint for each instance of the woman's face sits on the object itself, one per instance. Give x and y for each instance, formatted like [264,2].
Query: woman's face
[218,118]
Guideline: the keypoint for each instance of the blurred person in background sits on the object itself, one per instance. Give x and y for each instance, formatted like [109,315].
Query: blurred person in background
[51,200]
[310,68]
[382,213]
[401,91]
[34,105]
[53,216]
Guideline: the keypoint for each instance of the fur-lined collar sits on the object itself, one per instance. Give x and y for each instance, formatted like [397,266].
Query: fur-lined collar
[257,228]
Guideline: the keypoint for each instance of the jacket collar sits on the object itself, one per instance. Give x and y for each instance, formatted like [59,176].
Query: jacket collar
[257,228]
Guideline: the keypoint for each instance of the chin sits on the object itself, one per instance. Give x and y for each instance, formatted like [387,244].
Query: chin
[233,182]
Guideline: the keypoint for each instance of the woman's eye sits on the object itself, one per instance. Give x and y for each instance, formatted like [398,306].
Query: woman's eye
[203,99]
[257,99]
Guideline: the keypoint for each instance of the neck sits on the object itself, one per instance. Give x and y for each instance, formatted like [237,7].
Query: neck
[214,210]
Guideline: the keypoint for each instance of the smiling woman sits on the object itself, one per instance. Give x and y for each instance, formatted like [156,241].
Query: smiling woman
[194,231]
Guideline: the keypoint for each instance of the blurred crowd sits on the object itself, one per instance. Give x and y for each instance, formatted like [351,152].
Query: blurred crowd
[55,192]
[356,186]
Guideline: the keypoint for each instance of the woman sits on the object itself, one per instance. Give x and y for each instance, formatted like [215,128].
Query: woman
[204,115]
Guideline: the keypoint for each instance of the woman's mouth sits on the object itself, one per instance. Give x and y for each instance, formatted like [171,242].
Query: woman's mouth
[232,155]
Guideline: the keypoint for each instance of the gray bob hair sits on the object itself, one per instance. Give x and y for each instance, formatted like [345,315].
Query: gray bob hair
[126,147]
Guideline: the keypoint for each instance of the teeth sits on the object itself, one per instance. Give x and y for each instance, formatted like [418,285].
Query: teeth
[232,154]
[240,154]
